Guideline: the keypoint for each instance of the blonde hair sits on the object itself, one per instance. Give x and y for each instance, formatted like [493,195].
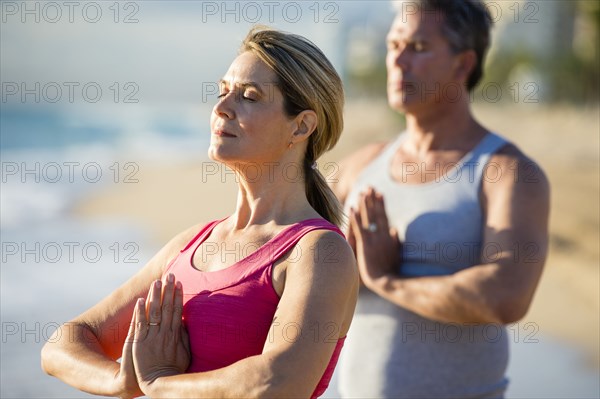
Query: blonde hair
[307,81]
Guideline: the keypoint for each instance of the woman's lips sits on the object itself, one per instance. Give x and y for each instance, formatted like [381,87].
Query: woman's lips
[222,133]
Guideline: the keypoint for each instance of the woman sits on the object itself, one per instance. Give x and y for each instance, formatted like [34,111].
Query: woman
[272,322]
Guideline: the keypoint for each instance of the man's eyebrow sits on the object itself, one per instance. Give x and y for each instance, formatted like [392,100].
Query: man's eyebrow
[412,38]
[254,85]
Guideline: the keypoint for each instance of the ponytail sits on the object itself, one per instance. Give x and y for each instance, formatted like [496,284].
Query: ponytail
[307,80]
[320,196]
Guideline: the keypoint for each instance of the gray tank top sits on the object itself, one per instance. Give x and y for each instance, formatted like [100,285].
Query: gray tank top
[391,352]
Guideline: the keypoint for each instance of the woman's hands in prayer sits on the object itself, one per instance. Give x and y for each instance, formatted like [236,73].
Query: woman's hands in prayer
[159,346]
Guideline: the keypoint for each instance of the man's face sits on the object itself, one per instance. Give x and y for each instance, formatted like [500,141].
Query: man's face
[421,67]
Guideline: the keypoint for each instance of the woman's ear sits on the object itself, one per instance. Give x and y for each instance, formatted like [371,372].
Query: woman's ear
[306,124]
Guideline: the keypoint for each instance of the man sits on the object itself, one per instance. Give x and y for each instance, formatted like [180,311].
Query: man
[457,249]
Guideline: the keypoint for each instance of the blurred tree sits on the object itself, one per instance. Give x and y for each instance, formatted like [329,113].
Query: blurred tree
[565,71]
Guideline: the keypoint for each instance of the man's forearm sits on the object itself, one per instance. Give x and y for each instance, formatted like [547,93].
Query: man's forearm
[473,295]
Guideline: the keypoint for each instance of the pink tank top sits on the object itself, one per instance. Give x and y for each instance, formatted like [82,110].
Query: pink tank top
[228,313]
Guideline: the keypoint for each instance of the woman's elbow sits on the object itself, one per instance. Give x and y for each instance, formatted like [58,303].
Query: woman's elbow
[52,351]
[48,354]
[276,382]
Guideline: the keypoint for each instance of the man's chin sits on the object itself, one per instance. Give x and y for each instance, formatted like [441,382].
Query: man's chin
[399,103]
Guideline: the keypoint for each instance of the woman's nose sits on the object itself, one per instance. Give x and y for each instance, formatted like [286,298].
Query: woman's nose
[224,107]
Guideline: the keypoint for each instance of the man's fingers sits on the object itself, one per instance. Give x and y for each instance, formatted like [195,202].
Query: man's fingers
[356,225]
[363,215]
[379,212]
[371,210]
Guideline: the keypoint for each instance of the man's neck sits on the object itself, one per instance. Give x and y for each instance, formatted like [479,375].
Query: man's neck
[443,127]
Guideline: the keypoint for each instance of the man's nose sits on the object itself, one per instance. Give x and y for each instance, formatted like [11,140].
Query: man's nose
[401,58]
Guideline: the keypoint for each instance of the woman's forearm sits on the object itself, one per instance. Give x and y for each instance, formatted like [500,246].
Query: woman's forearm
[252,377]
[74,355]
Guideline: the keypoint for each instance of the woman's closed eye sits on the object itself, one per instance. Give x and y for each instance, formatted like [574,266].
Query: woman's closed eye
[249,95]
[246,95]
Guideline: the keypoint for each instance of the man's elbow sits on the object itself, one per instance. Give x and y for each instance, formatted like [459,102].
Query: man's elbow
[510,312]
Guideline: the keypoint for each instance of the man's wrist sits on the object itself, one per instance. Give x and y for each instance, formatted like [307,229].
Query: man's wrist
[381,284]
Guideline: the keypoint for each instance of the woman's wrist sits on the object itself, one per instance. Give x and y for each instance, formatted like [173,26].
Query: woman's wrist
[156,387]
[123,387]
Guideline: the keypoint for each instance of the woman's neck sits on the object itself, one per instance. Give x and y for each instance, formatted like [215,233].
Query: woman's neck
[273,194]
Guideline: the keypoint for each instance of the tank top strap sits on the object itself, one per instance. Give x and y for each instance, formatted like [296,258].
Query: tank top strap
[385,157]
[202,234]
[289,237]
[477,160]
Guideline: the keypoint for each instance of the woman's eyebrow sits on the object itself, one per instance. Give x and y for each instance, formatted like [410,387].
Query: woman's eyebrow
[244,85]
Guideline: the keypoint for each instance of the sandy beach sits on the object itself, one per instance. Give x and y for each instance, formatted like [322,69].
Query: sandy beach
[564,140]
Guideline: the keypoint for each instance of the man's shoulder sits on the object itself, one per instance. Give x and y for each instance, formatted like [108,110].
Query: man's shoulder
[514,170]
[350,167]
[511,157]
[362,157]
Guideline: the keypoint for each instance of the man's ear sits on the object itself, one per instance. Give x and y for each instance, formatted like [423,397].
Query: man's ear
[306,124]
[466,63]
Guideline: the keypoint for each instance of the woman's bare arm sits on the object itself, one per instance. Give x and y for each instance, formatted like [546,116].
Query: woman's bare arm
[315,309]
[84,351]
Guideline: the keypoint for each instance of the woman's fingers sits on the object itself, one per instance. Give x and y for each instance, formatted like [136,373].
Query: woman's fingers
[185,339]
[127,357]
[167,303]
[177,307]
[141,323]
[154,305]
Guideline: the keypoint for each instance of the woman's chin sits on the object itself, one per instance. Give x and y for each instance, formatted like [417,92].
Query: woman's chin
[219,154]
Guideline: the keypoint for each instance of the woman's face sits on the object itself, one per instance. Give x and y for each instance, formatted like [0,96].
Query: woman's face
[249,124]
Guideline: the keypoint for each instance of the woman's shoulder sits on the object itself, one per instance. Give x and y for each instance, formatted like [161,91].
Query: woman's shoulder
[180,241]
[327,249]
[186,235]
[326,264]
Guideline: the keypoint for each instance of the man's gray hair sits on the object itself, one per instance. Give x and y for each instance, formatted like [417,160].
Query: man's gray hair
[466,26]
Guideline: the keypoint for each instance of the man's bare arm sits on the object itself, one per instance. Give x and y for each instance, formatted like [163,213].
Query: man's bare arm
[515,244]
